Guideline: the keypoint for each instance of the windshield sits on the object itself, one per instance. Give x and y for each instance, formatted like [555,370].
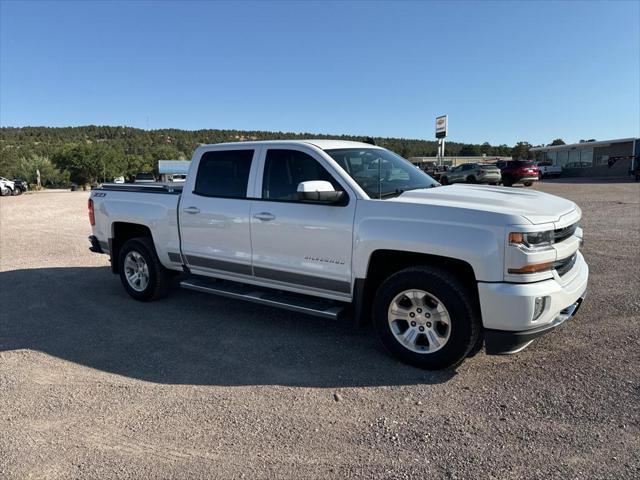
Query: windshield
[379,172]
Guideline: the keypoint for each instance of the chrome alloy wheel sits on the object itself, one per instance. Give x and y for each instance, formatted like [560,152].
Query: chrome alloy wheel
[136,271]
[419,321]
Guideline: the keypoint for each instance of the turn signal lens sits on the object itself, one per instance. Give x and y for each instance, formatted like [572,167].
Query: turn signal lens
[533,268]
[516,238]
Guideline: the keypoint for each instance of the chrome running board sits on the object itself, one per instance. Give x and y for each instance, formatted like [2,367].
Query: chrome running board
[274,298]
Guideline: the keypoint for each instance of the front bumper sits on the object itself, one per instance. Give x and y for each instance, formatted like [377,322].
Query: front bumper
[499,342]
[508,308]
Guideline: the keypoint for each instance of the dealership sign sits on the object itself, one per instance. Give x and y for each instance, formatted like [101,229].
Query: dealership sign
[441,126]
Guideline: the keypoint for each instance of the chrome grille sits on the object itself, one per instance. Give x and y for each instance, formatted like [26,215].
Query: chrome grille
[566,264]
[563,233]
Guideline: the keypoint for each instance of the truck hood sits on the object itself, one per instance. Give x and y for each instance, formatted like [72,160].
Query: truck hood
[536,207]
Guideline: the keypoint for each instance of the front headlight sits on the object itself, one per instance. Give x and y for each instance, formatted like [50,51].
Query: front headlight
[532,240]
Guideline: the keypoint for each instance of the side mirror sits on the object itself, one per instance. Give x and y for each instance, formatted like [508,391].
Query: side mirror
[319,191]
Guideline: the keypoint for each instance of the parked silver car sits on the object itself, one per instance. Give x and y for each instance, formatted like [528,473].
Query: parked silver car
[472,173]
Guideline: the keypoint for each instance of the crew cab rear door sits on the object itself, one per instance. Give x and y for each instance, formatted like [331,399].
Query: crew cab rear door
[214,213]
[301,245]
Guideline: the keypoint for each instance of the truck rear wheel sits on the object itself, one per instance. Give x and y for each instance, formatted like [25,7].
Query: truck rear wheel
[425,317]
[142,275]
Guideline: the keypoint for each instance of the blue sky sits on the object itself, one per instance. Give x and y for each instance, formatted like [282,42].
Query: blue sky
[503,71]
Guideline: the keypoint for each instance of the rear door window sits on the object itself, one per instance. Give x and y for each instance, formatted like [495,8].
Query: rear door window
[224,173]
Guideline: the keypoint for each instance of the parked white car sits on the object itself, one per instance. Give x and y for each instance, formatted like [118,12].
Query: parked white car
[118,180]
[7,187]
[329,228]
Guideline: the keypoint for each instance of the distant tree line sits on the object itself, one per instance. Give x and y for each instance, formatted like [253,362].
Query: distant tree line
[90,153]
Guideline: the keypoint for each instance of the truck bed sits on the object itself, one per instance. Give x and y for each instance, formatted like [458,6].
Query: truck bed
[154,206]
[167,188]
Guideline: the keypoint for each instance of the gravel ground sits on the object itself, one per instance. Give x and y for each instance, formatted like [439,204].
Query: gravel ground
[95,385]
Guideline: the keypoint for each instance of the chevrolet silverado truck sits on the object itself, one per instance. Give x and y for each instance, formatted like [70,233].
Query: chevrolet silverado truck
[347,229]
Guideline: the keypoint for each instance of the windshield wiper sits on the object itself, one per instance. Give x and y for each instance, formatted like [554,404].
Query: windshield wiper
[399,191]
[395,193]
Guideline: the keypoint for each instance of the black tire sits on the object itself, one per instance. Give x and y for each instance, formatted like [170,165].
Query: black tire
[19,191]
[444,181]
[477,347]
[159,277]
[15,192]
[471,179]
[528,184]
[464,317]
[507,182]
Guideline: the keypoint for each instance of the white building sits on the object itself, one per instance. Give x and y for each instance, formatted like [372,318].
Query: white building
[168,168]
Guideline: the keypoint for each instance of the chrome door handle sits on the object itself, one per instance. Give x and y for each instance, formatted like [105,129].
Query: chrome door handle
[264,216]
[191,210]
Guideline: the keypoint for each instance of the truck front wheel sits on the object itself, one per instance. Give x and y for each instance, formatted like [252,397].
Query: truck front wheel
[142,275]
[426,318]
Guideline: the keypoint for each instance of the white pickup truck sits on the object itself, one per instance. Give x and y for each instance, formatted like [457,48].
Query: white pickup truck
[335,228]
[548,169]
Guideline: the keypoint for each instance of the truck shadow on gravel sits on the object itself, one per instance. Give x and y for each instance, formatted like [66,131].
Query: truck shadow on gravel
[84,316]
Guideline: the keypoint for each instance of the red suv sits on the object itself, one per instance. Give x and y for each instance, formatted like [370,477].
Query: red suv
[518,171]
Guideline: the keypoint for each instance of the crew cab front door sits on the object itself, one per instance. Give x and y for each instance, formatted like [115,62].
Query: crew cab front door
[300,245]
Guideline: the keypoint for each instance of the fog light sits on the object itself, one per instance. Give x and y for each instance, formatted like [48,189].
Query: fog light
[538,308]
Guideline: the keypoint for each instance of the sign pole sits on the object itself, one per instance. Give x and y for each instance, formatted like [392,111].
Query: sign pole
[441,133]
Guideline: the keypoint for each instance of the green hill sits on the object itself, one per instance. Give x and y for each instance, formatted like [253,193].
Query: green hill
[112,151]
